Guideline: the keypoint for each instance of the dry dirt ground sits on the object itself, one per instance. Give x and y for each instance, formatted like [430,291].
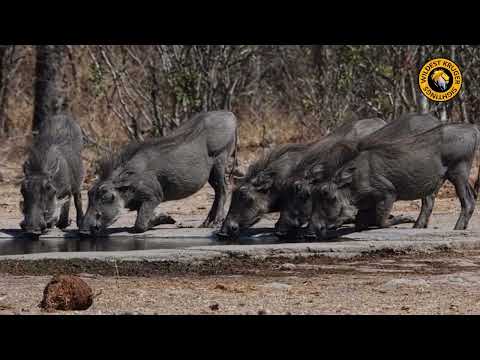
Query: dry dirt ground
[440,283]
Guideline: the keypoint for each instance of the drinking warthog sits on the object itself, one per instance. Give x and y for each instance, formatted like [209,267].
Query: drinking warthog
[53,174]
[143,175]
[261,190]
[257,193]
[298,190]
[375,176]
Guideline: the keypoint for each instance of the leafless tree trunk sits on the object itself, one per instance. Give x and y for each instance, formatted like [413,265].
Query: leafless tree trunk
[446,109]
[3,88]
[6,67]
[50,84]
[422,100]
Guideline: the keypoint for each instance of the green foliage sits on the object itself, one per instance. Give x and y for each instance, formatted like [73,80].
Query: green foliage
[96,79]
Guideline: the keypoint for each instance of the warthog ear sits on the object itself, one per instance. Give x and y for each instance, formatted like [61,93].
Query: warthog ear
[345,176]
[237,180]
[122,183]
[54,168]
[263,182]
[317,171]
[324,190]
[26,167]
[302,189]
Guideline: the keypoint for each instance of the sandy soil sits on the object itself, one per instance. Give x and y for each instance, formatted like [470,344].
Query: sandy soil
[436,284]
[440,283]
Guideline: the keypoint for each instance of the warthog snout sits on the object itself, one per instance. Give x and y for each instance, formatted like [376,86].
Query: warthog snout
[30,228]
[320,230]
[90,230]
[289,224]
[316,230]
[230,229]
[89,225]
[284,227]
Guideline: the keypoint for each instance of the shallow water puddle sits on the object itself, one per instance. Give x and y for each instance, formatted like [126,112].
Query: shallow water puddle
[17,243]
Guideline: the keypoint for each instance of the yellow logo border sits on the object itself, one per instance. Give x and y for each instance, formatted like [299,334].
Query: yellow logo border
[435,95]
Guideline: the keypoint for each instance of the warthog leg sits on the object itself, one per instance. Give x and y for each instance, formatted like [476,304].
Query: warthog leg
[385,219]
[426,211]
[365,219]
[145,215]
[427,206]
[383,209]
[77,198]
[64,221]
[465,192]
[401,219]
[368,218]
[161,219]
[219,184]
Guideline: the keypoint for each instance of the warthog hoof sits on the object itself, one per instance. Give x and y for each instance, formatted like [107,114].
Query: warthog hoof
[309,236]
[162,219]
[224,236]
[139,229]
[211,223]
[420,225]
[62,224]
[401,219]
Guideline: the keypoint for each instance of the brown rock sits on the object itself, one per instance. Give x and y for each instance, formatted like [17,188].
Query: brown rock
[215,307]
[67,293]
[264,312]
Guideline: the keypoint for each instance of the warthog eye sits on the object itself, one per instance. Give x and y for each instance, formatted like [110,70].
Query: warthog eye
[50,189]
[327,192]
[331,196]
[298,187]
[108,197]
[124,189]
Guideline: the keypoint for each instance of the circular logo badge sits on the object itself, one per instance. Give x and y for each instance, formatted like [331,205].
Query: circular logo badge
[440,80]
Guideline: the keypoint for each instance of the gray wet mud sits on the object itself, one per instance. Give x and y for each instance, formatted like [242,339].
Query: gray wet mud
[260,240]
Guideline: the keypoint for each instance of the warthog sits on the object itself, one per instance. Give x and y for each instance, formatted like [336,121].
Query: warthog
[53,174]
[298,189]
[258,192]
[143,175]
[261,190]
[375,176]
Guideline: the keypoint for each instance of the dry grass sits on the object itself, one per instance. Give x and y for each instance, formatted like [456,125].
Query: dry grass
[273,127]
[258,133]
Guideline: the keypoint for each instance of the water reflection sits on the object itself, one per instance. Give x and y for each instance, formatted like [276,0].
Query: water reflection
[18,243]
[22,244]
[32,246]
